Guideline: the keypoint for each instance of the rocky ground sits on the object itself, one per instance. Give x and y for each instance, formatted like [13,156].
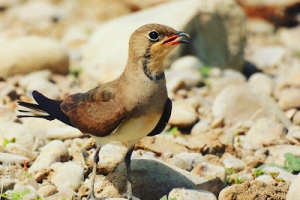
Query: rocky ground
[233,134]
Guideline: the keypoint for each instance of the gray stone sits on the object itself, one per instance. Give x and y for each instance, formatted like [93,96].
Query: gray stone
[151,179]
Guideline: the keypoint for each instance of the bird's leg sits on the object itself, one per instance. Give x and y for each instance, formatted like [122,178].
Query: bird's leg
[96,160]
[128,174]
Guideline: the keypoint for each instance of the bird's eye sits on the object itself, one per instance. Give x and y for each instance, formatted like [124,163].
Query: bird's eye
[153,36]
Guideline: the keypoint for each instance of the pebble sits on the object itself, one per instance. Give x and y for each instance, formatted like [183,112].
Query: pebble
[161,144]
[183,115]
[110,156]
[187,63]
[7,183]
[36,12]
[67,175]
[62,194]
[266,179]
[223,79]
[234,163]
[187,161]
[289,37]
[21,134]
[282,174]
[200,127]
[37,75]
[265,132]
[46,190]
[291,80]
[289,98]
[45,87]
[185,194]
[17,61]
[276,152]
[65,132]
[262,81]
[77,155]
[268,56]
[209,171]
[17,149]
[54,151]
[184,79]
[294,193]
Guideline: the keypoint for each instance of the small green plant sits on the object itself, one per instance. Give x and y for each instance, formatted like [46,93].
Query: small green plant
[15,195]
[234,179]
[205,71]
[174,131]
[75,72]
[229,170]
[7,141]
[257,172]
[291,163]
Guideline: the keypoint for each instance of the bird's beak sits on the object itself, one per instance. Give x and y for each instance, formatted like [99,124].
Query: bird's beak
[172,39]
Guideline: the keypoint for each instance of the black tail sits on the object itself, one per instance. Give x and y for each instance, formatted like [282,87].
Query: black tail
[49,109]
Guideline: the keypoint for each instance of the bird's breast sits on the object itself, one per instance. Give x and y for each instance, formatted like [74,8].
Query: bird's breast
[132,130]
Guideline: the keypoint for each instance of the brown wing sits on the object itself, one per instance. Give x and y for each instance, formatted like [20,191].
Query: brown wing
[98,111]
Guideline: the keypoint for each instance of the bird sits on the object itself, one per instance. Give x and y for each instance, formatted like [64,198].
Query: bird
[127,109]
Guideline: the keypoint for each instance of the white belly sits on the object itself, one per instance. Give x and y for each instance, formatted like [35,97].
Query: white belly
[131,131]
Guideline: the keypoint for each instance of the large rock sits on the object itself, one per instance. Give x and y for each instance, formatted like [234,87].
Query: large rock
[31,53]
[151,179]
[217,30]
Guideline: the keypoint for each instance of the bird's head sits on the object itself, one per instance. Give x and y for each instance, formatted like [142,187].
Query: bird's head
[151,44]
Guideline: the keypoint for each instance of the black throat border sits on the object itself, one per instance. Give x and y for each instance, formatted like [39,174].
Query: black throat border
[145,63]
